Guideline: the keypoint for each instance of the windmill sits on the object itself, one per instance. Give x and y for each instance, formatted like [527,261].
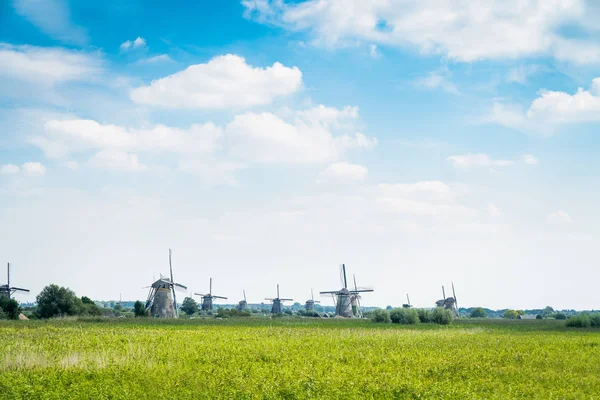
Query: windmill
[162,301]
[243,304]
[276,307]
[407,305]
[449,303]
[207,299]
[7,290]
[310,304]
[347,302]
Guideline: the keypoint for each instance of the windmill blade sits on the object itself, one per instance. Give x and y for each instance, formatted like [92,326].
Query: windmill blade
[219,297]
[454,294]
[286,299]
[331,292]
[345,280]
[355,287]
[269,299]
[20,289]
[312,296]
[362,291]
[245,296]
[173,287]
[200,294]
[316,301]
[180,285]
[443,292]
[210,286]
[408,298]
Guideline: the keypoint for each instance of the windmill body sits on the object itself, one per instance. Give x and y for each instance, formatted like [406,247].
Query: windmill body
[448,303]
[310,303]
[207,299]
[162,301]
[7,290]
[276,307]
[243,304]
[347,301]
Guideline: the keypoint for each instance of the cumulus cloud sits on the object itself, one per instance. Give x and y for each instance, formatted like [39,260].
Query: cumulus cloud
[559,217]
[461,30]
[33,169]
[62,137]
[317,135]
[116,160]
[224,82]
[44,65]
[440,79]
[344,172]
[551,110]
[477,160]
[133,44]
[530,159]
[9,169]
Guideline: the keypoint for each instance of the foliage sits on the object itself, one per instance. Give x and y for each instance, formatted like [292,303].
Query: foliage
[424,315]
[55,301]
[510,314]
[139,309]
[189,306]
[381,316]
[441,316]
[478,312]
[584,320]
[560,315]
[308,313]
[405,316]
[226,313]
[288,311]
[539,316]
[9,308]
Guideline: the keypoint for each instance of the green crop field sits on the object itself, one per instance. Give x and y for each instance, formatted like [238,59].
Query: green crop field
[296,359]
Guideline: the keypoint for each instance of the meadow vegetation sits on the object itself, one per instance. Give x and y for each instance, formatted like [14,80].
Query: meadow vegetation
[296,358]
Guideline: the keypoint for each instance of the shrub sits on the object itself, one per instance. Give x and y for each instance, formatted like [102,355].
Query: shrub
[380,316]
[405,316]
[595,320]
[234,312]
[579,321]
[139,309]
[9,308]
[510,314]
[441,316]
[560,316]
[539,316]
[189,306]
[478,312]
[308,313]
[424,315]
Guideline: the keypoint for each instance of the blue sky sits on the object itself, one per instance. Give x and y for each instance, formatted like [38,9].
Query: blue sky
[265,142]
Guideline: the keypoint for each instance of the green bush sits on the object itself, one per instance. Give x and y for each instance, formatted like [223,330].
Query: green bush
[539,316]
[510,314]
[424,315]
[405,316]
[234,312]
[478,312]
[560,316]
[10,308]
[381,316]
[441,316]
[579,321]
[595,320]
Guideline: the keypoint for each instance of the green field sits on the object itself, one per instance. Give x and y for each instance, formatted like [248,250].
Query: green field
[296,359]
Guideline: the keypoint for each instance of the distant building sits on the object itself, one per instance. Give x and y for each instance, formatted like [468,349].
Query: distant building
[526,316]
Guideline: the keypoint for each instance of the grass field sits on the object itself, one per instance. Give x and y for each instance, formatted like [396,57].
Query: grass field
[296,359]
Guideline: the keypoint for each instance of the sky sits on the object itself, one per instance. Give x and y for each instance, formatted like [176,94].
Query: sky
[420,142]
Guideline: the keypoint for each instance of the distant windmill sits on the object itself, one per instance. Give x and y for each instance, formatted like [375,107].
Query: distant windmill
[449,303]
[407,305]
[347,302]
[207,299]
[162,301]
[243,304]
[276,307]
[7,290]
[310,304]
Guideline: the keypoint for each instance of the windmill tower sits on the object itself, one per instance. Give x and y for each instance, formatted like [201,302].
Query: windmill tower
[243,304]
[207,299]
[162,301]
[347,302]
[7,290]
[276,307]
[310,304]
[449,303]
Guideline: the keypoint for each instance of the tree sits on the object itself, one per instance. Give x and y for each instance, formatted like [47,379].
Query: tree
[189,306]
[510,314]
[139,309]
[118,307]
[389,308]
[560,315]
[55,301]
[478,312]
[406,316]
[9,307]
[381,316]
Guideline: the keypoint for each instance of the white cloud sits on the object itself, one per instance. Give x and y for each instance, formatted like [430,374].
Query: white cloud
[345,172]
[212,172]
[317,135]
[52,17]
[66,136]
[224,82]
[440,79]
[559,217]
[494,211]
[373,51]
[133,44]
[461,30]
[73,165]
[477,160]
[551,110]
[163,58]
[33,169]
[47,65]
[116,160]
[9,169]
[530,159]
[522,73]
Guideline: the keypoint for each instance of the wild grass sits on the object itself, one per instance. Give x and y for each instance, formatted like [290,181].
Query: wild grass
[296,359]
